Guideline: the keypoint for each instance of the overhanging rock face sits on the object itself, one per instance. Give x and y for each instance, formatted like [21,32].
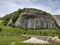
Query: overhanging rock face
[33,19]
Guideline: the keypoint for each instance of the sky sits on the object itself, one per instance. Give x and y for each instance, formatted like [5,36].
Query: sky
[9,6]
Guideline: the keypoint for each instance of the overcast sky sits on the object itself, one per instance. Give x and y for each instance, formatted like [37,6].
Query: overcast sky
[8,6]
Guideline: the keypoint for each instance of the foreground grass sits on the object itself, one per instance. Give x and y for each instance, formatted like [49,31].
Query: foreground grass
[33,44]
[26,44]
[13,40]
[7,40]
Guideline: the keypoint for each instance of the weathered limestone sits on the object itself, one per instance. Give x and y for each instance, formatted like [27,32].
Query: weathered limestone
[35,20]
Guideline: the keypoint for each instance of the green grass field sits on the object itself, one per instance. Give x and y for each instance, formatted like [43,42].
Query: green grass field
[16,40]
[8,40]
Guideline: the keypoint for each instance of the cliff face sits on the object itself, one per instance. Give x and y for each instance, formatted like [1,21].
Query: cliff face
[34,19]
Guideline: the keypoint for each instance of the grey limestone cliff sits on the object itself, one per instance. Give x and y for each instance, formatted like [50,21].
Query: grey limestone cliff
[33,19]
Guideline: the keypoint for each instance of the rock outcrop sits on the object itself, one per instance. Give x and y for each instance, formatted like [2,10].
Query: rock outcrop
[35,19]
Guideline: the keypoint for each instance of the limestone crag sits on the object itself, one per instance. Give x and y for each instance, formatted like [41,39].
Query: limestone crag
[33,19]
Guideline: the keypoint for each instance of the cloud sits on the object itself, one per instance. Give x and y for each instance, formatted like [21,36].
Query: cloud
[8,6]
[57,12]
